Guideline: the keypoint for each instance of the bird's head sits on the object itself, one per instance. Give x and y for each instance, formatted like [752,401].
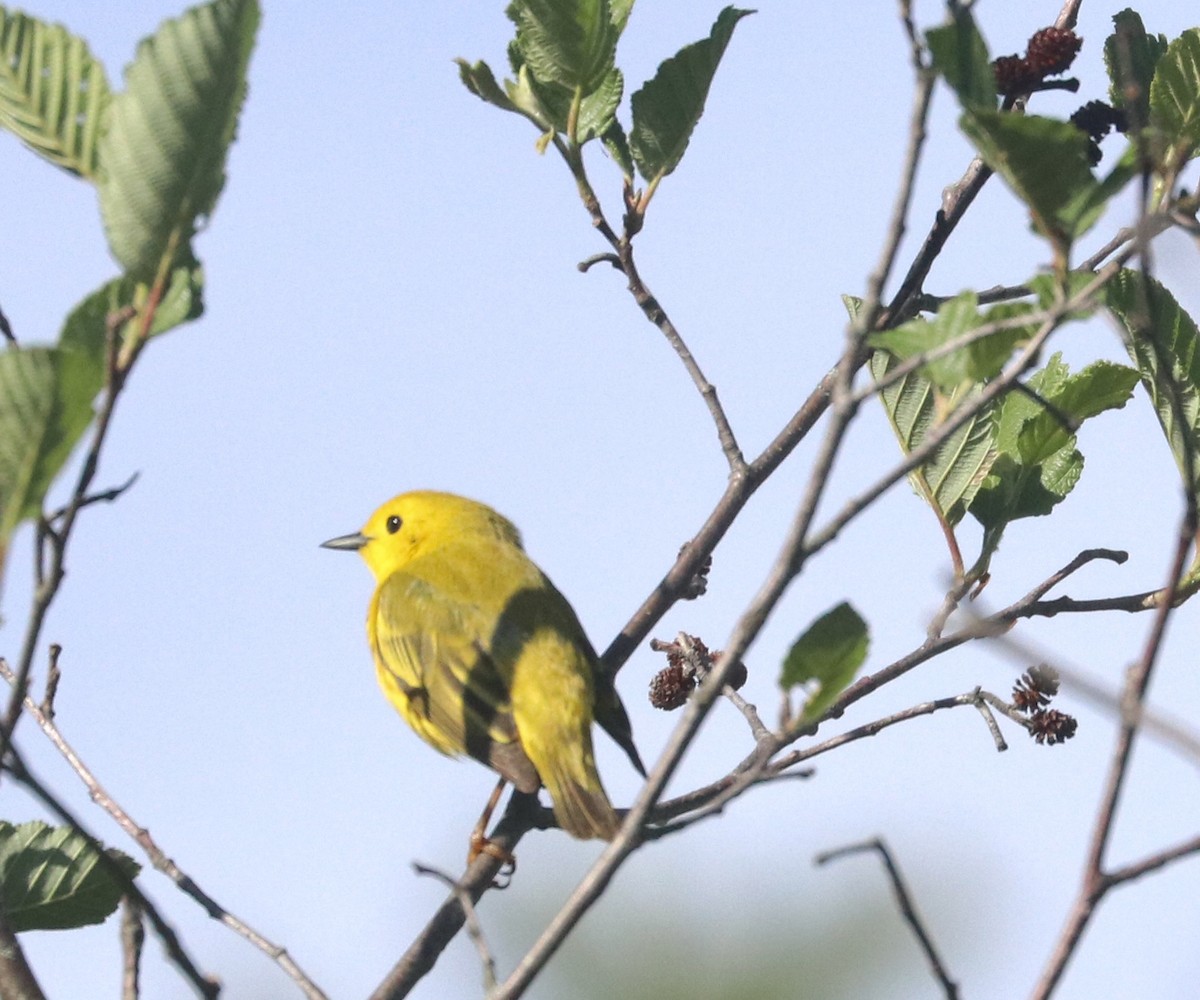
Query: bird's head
[415,523]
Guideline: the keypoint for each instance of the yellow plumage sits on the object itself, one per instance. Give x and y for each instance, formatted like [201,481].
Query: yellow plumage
[482,656]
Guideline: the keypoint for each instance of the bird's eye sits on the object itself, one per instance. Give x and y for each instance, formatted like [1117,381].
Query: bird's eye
[393,524]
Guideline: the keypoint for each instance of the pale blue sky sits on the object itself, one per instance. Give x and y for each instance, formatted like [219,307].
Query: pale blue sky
[393,303]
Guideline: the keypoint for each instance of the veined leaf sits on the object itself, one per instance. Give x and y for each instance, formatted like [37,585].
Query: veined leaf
[552,103]
[27,397]
[1130,55]
[617,146]
[164,152]
[47,393]
[668,107]
[53,94]
[1038,464]
[1100,386]
[54,879]
[914,406]
[977,361]
[1044,161]
[1164,343]
[960,55]
[826,657]
[1175,97]
[572,43]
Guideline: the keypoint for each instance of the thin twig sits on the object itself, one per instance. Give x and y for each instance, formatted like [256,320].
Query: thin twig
[53,677]
[50,576]
[904,899]
[1095,884]
[206,986]
[519,817]
[104,496]
[158,858]
[17,981]
[474,928]
[133,936]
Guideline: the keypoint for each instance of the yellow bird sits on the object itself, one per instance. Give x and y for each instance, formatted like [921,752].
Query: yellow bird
[482,656]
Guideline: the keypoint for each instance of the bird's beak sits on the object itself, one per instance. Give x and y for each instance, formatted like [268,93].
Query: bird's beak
[350,543]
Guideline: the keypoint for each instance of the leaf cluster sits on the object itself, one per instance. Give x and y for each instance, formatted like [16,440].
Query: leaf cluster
[565,80]
[155,152]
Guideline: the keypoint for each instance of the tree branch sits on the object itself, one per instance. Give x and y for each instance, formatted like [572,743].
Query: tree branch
[904,900]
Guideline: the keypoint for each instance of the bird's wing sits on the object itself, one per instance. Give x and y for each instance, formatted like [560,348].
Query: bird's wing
[433,663]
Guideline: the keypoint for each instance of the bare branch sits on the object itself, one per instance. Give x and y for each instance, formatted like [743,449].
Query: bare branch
[133,935]
[519,817]
[17,981]
[907,908]
[474,928]
[158,858]
[1095,884]
[206,986]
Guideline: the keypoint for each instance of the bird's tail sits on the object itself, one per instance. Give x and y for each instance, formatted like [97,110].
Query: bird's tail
[582,809]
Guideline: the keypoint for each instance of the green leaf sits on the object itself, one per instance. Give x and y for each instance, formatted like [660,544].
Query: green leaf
[572,43]
[1047,288]
[551,105]
[667,108]
[47,393]
[1012,491]
[1130,55]
[914,406]
[617,146]
[978,361]
[826,657]
[480,81]
[1101,386]
[1164,343]
[1175,98]
[27,396]
[621,9]
[598,111]
[53,94]
[1044,161]
[960,55]
[1039,465]
[54,879]
[164,152]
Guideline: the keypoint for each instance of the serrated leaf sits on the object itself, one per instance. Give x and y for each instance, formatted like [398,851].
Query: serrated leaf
[1047,289]
[47,393]
[1175,98]
[960,56]
[169,133]
[617,146]
[1099,387]
[53,879]
[950,478]
[1164,344]
[597,112]
[826,657]
[978,361]
[27,397]
[552,104]
[53,93]
[668,107]
[1045,163]
[1013,491]
[1130,55]
[1039,465]
[572,43]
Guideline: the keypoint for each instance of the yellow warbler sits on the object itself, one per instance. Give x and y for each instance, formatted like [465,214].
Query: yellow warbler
[481,655]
